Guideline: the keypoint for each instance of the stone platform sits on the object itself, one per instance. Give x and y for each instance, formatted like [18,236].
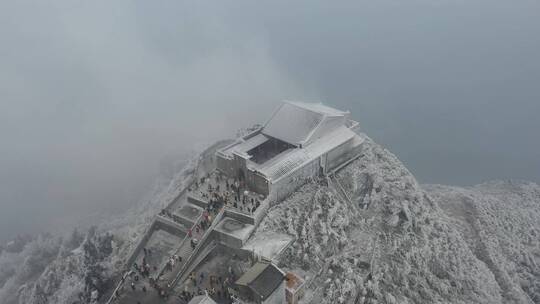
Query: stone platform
[232,232]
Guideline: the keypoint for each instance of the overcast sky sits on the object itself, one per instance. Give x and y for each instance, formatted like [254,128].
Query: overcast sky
[93,94]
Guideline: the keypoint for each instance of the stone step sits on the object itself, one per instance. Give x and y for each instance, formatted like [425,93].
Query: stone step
[239,216]
[170,226]
[197,201]
[185,221]
[186,250]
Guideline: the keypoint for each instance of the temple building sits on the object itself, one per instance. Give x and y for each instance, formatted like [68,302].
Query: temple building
[263,283]
[299,141]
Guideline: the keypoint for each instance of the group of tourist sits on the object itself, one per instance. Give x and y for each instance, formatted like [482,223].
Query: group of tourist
[137,274]
[231,195]
[173,260]
[215,286]
[193,233]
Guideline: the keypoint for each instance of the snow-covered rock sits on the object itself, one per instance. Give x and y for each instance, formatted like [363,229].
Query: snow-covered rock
[370,234]
[81,267]
[417,252]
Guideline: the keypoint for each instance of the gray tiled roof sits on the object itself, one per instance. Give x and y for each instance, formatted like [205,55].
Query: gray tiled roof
[292,124]
[262,279]
[297,122]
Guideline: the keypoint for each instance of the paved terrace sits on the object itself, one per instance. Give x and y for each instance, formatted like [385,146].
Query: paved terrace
[167,255]
[166,246]
[236,197]
[214,275]
[158,250]
[175,245]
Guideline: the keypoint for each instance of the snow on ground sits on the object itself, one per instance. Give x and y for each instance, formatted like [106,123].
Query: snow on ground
[403,249]
[79,267]
[268,245]
[235,228]
[500,221]
[440,245]
[162,246]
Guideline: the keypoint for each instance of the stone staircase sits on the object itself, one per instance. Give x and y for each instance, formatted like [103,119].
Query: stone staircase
[185,251]
[203,241]
[170,226]
[197,201]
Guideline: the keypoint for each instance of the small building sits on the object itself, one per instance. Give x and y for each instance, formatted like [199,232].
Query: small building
[263,283]
[294,288]
[204,299]
[299,141]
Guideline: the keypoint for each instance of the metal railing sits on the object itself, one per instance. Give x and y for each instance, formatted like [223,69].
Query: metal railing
[164,263]
[113,296]
[198,247]
[151,227]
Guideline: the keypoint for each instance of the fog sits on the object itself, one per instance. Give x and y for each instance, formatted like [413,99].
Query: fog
[93,95]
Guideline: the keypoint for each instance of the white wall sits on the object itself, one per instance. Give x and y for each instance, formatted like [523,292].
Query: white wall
[289,183]
[278,297]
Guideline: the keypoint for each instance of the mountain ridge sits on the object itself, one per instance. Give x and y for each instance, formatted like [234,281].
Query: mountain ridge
[369,234]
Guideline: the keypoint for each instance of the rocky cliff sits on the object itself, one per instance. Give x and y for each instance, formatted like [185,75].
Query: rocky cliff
[368,234]
[372,234]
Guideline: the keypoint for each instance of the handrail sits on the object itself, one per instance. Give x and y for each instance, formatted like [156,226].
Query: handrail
[133,252]
[124,276]
[340,188]
[199,245]
[150,228]
[164,264]
[197,248]
[193,178]
[200,257]
[197,222]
